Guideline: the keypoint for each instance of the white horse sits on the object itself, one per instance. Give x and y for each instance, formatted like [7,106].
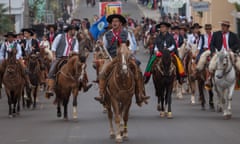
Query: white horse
[224,82]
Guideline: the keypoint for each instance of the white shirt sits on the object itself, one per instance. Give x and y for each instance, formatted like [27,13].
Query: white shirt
[8,47]
[57,41]
[205,46]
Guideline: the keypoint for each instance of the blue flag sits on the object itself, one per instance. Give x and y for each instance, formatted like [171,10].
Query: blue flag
[98,27]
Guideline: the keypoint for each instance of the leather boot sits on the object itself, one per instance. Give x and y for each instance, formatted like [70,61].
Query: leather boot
[86,86]
[50,88]
[102,85]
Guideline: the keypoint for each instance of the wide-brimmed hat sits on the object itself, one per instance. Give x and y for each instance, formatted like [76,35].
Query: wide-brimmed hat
[70,27]
[207,26]
[10,34]
[175,28]
[120,17]
[52,25]
[29,30]
[196,25]
[163,23]
[183,26]
[225,22]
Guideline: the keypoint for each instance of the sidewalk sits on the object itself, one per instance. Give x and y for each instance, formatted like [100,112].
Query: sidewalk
[153,14]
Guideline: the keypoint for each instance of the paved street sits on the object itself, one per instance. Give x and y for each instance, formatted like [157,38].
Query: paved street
[190,124]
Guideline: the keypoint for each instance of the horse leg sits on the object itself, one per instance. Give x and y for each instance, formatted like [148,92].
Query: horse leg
[75,94]
[9,106]
[219,103]
[211,103]
[34,97]
[169,101]
[29,97]
[117,120]
[23,99]
[18,105]
[192,86]
[59,113]
[65,105]
[162,114]
[229,102]
[179,91]
[125,119]
[201,93]
[110,117]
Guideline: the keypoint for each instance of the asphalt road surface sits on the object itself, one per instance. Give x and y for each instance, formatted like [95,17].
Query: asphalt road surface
[190,124]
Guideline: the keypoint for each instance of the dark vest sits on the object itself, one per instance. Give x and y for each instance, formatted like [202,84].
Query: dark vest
[62,45]
[112,47]
[161,40]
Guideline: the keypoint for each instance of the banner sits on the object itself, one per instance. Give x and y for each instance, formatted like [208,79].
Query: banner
[108,8]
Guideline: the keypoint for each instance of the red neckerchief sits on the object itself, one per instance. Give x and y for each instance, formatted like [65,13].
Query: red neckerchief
[116,36]
[209,39]
[69,41]
[176,39]
[225,40]
[51,36]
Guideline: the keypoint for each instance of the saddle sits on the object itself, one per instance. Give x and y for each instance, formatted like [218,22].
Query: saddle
[60,64]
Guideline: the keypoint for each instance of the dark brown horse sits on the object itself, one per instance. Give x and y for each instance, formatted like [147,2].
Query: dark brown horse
[13,82]
[68,79]
[120,89]
[164,74]
[35,77]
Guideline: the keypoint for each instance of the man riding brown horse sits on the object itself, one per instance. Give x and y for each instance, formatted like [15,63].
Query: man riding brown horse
[63,46]
[110,40]
[8,46]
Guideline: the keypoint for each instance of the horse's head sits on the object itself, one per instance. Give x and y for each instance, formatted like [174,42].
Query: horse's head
[165,65]
[224,64]
[123,53]
[12,56]
[77,67]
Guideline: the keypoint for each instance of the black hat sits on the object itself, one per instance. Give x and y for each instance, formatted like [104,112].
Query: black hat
[52,25]
[163,23]
[120,17]
[175,28]
[29,30]
[10,34]
[183,27]
[70,27]
[196,25]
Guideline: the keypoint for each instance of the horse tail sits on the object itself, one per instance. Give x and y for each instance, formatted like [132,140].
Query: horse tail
[203,59]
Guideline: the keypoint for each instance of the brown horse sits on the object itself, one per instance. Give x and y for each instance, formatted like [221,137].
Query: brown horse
[68,79]
[13,82]
[119,91]
[35,77]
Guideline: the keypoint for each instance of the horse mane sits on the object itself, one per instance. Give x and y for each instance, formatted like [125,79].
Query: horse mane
[213,63]
[235,60]
[203,60]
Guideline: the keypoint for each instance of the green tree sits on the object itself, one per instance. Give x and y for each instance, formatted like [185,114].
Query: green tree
[6,24]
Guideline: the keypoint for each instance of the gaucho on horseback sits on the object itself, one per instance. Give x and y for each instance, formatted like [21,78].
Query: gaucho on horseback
[63,46]
[164,41]
[8,46]
[111,39]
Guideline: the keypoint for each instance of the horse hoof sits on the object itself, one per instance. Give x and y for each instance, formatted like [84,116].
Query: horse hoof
[59,115]
[158,108]
[169,115]
[219,110]
[104,110]
[112,136]
[10,116]
[75,117]
[162,114]
[119,139]
[203,108]
[65,119]
[125,137]
[227,117]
